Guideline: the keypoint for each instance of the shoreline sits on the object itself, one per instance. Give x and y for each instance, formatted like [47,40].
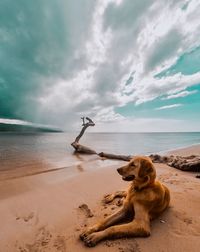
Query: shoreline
[182,148]
[41,213]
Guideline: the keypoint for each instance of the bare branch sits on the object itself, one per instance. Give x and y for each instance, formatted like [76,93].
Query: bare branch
[85,126]
[78,147]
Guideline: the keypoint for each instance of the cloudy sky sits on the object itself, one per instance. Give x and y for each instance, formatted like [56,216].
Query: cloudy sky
[129,65]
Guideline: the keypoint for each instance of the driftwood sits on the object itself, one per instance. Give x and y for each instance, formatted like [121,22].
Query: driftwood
[189,163]
[81,148]
[114,156]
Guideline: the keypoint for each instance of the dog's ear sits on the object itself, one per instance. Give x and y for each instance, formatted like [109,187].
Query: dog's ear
[146,168]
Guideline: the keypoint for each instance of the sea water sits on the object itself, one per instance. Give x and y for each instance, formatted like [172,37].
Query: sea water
[35,151]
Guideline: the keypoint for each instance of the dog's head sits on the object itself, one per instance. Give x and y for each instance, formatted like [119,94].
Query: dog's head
[140,170]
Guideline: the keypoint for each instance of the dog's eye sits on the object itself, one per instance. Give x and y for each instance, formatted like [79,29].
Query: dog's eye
[133,165]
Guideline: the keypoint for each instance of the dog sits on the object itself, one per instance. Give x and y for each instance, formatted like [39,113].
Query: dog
[145,199]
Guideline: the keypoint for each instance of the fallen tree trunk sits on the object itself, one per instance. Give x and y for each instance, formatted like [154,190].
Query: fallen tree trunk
[82,149]
[114,156]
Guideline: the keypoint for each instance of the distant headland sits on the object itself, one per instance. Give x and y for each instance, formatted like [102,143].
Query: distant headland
[9,125]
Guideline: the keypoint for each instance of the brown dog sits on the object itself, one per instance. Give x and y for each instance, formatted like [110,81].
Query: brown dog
[145,199]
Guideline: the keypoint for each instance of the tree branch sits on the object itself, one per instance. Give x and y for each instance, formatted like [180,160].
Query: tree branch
[81,148]
[85,126]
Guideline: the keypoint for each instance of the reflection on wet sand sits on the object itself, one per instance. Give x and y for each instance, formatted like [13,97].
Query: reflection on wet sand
[80,168]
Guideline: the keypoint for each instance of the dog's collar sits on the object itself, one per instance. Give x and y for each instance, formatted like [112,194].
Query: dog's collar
[137,189]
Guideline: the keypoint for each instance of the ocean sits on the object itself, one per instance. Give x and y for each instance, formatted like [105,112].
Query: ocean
[22,153]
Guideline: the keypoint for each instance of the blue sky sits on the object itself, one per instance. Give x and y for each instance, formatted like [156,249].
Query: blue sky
[129,65]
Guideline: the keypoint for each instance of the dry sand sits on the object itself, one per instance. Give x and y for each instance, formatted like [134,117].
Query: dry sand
[41,213]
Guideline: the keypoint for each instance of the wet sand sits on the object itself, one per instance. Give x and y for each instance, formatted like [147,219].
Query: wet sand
[47,211]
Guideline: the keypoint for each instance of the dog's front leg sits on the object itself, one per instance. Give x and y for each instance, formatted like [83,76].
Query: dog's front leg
[107,222]
[140,226]
[132,229]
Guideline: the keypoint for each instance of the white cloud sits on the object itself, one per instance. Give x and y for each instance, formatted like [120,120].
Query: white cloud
[108,115]
[169,106]
[149,88]
[180,94]
[145,125]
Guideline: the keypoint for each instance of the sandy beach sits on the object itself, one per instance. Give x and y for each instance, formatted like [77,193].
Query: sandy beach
[41,212]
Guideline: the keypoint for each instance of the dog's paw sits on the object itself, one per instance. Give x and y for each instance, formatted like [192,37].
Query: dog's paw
[92,240]
[83,235]
[86,233]
[108,198]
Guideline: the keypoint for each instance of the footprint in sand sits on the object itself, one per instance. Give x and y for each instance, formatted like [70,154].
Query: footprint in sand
[132,247]
[124,245]
[60,244]
[26,218]
[41,242]
[86,210]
